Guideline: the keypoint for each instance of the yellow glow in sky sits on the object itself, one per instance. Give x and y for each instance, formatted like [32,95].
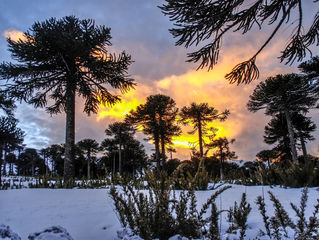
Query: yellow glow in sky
[13,34]
[119,110]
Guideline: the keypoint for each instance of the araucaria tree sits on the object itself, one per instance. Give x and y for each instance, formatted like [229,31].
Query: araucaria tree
[198,115]
[122,133]
[120,141]
[59,59]
[157,117]
[276,131]
[90,147]
[285,94]
[222,151]
[204,23]
[10,137]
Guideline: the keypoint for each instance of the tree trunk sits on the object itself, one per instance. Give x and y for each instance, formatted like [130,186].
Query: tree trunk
[221,164]
[1,155]
[32,166]
[303,146]
[200,138]
[120,159]
[157,152]
[11,169]
[291,136]
[5,161]
[89,162]
[163,150]
[113,170]
[69,134]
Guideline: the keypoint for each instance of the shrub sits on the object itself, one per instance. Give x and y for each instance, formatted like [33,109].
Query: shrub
[238,216]
[160,213]
[276,226]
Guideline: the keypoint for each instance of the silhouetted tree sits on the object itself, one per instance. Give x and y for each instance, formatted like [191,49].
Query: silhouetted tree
[59,59]
[121,133]
[10,137]
[198,115]
[30,163]
[267,156]
[204,23]
[121,143]
[276,131]
[90,147]
[157,117]
[286,94]
[11,159]
[222,151]
[45,152]
[56,154]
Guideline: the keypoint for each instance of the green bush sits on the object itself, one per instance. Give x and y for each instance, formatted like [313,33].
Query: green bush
[238,216]
[160,213]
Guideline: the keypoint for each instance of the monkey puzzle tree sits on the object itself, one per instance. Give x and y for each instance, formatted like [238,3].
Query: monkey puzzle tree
[286,94]
[205,22]
[198,115]
[90,147]
[59,59]
[10,135]
[222,151]
[157,117]
[121,132]
[276,131]
[120,139]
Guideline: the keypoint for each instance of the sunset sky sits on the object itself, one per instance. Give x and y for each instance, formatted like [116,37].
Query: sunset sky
[139,28]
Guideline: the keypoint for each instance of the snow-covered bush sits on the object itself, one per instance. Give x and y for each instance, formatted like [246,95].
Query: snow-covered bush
[160,213]
[55,232]
[238,216]
[7,233]
[280,225]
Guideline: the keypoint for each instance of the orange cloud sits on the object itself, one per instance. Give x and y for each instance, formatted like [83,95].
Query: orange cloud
[211,87]
[13,34]
[129,102]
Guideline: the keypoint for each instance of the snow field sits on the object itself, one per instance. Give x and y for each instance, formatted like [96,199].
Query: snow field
[88,214]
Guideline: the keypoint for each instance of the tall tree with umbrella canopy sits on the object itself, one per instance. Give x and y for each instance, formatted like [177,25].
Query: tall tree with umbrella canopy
[59,59]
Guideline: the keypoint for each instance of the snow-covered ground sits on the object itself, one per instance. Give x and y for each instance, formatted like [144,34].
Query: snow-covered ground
[88,214]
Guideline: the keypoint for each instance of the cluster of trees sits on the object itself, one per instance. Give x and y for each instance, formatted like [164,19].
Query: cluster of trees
[288,99]
[11,136]
[58,60]
[87,163]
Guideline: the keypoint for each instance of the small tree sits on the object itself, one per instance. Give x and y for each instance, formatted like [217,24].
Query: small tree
[90,147]
[59,59]
[198,115]
[10,135]
[222,151]
[267,156]
[122,132]
[120,142]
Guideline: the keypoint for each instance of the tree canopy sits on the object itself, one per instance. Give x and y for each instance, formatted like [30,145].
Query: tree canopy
[205,23]
[157,117]
[198,115]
